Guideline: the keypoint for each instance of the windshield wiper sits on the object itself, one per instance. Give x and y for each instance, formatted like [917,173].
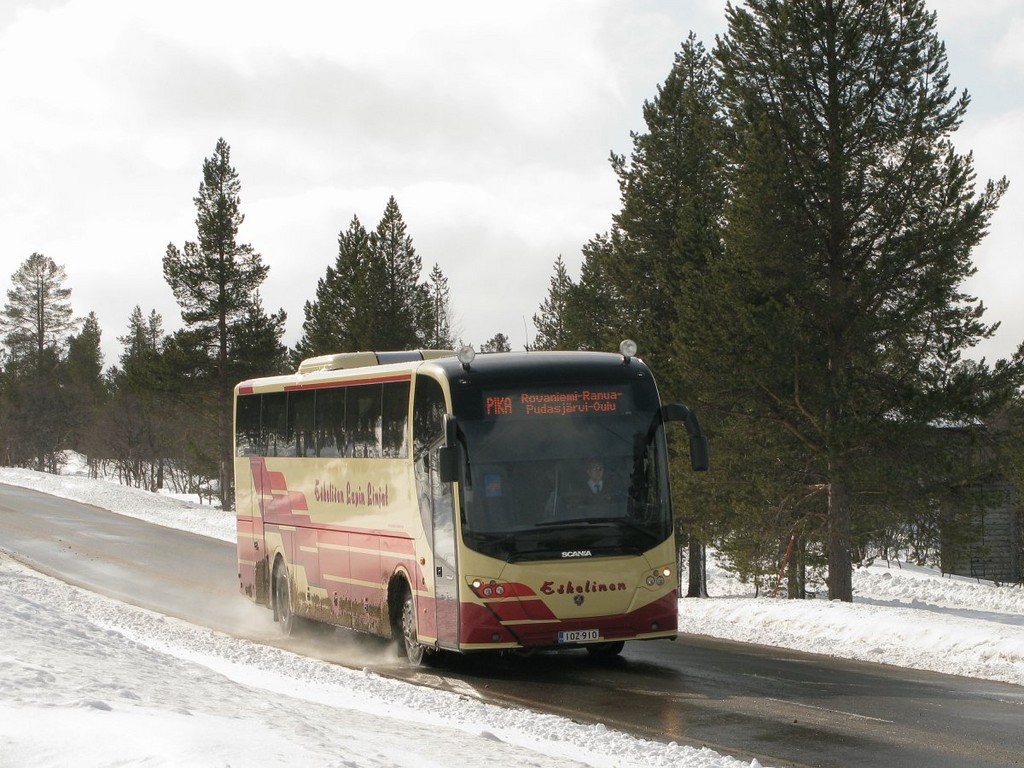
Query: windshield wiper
[577,521]
[619,522]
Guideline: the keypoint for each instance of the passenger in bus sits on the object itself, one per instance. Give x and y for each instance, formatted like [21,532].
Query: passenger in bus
[496,507]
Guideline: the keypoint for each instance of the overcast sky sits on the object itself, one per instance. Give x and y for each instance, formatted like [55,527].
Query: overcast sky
[491,125]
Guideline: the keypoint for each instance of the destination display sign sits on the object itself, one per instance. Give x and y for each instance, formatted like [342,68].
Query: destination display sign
[531,403]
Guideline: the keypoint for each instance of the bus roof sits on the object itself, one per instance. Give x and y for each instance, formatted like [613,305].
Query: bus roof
[486,368]
[344,360]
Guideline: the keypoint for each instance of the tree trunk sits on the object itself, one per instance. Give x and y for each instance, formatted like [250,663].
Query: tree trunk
[697,567]
[840,564]
[796,582]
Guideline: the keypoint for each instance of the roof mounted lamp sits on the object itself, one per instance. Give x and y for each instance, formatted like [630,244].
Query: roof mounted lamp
[628,350]
[466,355]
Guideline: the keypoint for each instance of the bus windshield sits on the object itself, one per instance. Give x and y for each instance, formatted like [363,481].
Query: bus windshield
[565,469]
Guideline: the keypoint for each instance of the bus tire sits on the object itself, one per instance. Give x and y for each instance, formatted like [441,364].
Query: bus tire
[606,650]
[414,652]
[283,600]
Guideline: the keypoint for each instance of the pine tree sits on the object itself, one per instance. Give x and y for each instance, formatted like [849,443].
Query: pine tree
[256,342]
[497,343]
[141,347]
[438,315]
[550,322]
[668,228]
[644,279]
[596,315]
[393,284]
[84,377]
[214,280]
[143,418]
[372,297]
[38,313]
[849,236]
[36,322]
[331,324]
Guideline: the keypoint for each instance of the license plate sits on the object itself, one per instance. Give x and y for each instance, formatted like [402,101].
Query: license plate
[579,636]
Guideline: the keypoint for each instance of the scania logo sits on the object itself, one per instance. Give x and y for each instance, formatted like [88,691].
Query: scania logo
[578,553]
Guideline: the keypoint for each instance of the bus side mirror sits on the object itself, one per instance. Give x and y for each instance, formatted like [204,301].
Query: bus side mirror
[451,430]
[699,459]
[448,456]
[699,453]
[448,463]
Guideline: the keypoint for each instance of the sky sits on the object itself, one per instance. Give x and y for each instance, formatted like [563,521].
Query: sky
[490,124]
[113,684]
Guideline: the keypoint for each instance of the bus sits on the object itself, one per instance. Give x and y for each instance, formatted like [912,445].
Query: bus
[444,500]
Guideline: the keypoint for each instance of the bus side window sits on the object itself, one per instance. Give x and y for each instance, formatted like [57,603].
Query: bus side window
[300,422]
[363,420]
[275,424]
[395,418]
[428,410]
[248,440]
[330,422]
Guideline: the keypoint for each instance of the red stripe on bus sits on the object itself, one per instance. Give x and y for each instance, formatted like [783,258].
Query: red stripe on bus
[522,610]
[481,624]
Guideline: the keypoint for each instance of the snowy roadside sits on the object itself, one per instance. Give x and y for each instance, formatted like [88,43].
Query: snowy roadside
[902,615]
[110,683]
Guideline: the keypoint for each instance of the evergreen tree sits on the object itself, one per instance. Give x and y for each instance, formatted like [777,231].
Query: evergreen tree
[643,280]
[36,322]
[38,315]
[191,397]
[372,298]
[393,287]
[849,236]
[256,342]
[143,419]
[596,315]
[669,226]
[551,321]
[214,280]
[331,324]
[497,343]
[84,376]
[438,316]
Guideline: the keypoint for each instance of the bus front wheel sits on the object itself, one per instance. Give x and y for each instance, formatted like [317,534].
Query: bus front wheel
[407,620]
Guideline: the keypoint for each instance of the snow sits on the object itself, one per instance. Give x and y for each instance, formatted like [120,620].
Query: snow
[112,684]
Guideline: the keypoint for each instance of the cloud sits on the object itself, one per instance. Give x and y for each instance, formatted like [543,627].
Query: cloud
[491,124]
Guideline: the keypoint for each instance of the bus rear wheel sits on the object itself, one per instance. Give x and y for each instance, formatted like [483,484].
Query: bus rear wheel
[283,600]
[407,625]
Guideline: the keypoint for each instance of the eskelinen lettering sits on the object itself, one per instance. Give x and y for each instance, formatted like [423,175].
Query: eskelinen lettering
[569,588]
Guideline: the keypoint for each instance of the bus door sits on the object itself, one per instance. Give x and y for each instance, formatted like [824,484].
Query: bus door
[446,586]
[250,487]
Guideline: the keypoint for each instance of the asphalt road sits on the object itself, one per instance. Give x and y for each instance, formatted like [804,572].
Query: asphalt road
[783,708]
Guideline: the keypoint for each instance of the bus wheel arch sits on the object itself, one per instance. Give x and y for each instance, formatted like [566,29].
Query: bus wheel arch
[402,612]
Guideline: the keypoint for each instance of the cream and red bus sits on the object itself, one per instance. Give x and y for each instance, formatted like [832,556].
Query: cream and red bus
[443,500]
